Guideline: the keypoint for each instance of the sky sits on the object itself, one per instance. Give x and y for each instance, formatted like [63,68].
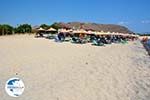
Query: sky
[134,14]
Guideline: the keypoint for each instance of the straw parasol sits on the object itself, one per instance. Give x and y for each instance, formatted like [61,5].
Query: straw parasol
[97,33]
[121,34]
[105,33]
[125,34]
[90,32]
[41,29]
[100,33]
[80,31]
[134,35]
[51,30]
[64,31]
[115,33]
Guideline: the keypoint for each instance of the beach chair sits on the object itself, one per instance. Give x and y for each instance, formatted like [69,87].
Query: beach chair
[67,39]
[97,43]
[76,40]
[73,40]
[124,41]
[51,36]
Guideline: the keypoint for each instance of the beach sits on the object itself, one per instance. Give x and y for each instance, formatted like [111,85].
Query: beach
[66,71]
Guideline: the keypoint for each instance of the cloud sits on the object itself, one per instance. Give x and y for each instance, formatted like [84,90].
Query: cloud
[123,23]
[145,21]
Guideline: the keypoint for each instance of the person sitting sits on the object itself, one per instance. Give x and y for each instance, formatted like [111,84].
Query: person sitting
[74,39]
[61,37]
[57,38]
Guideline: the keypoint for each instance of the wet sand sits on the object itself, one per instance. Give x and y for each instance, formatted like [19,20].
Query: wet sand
[66,71]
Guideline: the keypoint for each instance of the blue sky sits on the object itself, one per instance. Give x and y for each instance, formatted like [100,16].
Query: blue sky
[135,14]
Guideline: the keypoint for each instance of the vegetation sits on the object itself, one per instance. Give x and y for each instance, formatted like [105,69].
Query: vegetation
[6,29]
[45,26]
[56,26]
[24,28]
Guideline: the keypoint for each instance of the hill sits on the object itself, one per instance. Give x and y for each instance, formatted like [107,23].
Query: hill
[94,27]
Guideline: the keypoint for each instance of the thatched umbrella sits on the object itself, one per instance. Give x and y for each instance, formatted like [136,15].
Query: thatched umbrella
[105,33]
[90,32]
[99,33]
[64,31]
[102,33]
[41,29]
[80,31]
[115,33]
[51,30]
[134,35]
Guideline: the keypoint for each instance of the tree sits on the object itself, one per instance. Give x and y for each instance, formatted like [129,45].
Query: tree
[56,26]
[24,28]
[6,29]
[45,26]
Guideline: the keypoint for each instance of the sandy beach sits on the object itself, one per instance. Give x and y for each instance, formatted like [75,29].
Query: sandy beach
[66,71]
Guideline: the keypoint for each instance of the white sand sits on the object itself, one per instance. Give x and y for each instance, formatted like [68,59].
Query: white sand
[65,71]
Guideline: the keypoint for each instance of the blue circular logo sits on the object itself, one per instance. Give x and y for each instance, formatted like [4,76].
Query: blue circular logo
[14,87]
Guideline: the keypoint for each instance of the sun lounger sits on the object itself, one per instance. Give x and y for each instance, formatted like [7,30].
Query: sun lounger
[124,41]
[78,41]
[97,43]
[67,39]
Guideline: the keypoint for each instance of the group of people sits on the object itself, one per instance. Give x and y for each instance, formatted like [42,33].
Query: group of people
[82,38]
[92,38]
[145,39]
